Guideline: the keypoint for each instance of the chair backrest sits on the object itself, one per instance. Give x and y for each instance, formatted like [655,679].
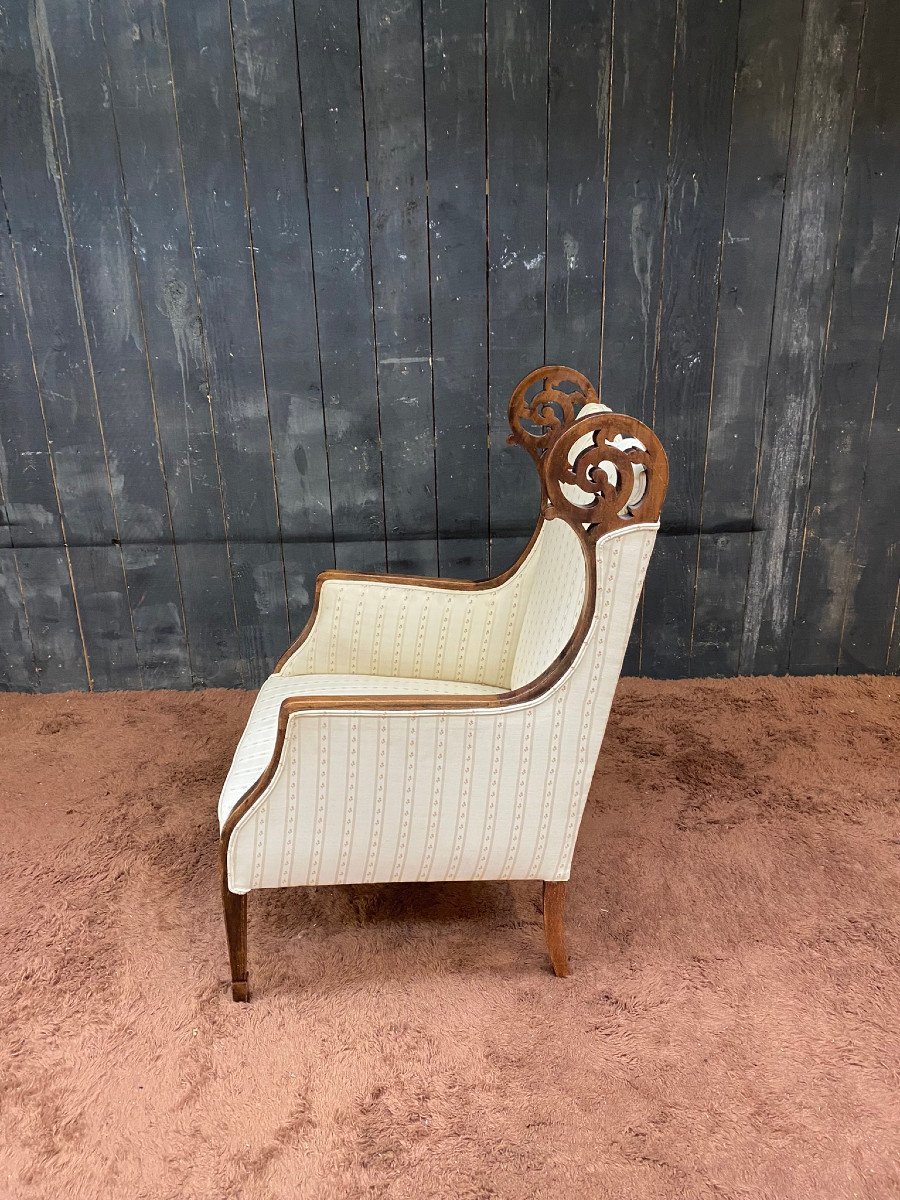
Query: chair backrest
[553,583]
[602,473]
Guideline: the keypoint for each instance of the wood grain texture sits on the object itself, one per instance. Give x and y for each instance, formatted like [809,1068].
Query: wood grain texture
[454,56]
[702,95]
[265,52]
[209,122]
[815,186]
[333,123]
[33,140]
[850,373]
[517,72]
[768,48]
[29,512]
[143,109]
[643,47]
[577,119]
[870,638]
[104,261]
[393,97]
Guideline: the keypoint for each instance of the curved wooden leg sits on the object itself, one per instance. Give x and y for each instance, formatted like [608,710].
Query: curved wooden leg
[554,929]
[236,930]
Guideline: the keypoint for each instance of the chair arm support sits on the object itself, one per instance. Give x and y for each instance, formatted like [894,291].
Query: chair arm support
[396,764]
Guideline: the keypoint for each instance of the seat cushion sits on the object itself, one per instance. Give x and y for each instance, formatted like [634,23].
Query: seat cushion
[258,739]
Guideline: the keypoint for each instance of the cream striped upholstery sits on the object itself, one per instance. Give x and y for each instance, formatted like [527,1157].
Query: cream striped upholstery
[498,793]
[258,739]
[415,631]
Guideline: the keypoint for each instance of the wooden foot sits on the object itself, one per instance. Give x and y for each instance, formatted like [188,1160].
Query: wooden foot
[554,930]
[236,931]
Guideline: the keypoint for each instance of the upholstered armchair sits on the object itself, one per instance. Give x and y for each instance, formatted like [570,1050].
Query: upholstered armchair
[432,729]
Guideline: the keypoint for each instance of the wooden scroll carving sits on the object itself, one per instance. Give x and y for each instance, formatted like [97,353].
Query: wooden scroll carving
[602,471]
[537,421]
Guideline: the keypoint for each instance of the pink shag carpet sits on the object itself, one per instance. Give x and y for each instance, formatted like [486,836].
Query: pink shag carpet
[731,1029]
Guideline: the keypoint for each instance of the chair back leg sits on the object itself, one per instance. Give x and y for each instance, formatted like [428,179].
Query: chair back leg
[554,928]
[236,931]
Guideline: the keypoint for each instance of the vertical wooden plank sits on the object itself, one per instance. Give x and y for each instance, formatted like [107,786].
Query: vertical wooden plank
[643,40]
[640,113]
[113,320]
[703,90]
[821,127]
[394,99]
[209,125]
[272,122]
[18,669]
[328,45]
[456,149]
[29,514]
[850,372]
[53,621]
[768,47]
[32,140]
[576,179]
[871,636]
[517,69]
[143,108]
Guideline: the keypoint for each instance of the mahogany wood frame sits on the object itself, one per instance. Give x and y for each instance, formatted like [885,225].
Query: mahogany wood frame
[547,425]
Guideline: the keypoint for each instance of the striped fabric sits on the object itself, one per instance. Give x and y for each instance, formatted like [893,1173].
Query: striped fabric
[397,629]
[363,796]
[258,739]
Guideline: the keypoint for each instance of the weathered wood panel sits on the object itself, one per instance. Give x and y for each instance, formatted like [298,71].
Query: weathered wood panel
[871,634]
[457,214]
[518,33]
[643,49]
[104,262]
[768,48]
[269,271]
[850,373]
[33,139]
[702,94]
[328,44]
[29,513]
[271,123]
[393,97]
[815,184]
[209,122]
[577,121]
[143,106]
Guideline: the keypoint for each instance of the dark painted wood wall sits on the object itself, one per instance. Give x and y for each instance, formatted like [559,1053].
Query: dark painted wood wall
[269,271]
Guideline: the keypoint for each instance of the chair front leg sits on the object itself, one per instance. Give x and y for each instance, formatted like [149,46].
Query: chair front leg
[235,907]
[554,928]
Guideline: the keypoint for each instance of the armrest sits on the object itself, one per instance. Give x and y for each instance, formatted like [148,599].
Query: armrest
[394,625]
[359,785]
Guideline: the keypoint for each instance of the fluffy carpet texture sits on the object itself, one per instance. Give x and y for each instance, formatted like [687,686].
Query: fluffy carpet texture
[731,1029]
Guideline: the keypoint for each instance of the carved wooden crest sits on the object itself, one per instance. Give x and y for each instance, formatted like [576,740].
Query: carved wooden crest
[599,470]
[538,419]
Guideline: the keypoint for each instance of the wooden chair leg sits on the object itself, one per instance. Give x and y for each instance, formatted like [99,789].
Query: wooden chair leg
[554,929]
[236,930]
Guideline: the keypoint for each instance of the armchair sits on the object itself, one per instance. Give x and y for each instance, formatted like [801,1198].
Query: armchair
[432,729]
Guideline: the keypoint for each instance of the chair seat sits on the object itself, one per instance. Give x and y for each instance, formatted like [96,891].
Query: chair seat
[257,743]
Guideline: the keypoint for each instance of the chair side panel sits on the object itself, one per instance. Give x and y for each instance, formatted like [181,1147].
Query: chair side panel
[369,797]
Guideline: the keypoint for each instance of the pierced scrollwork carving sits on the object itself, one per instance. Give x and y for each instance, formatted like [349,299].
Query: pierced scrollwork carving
[538,421]
[604,470]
